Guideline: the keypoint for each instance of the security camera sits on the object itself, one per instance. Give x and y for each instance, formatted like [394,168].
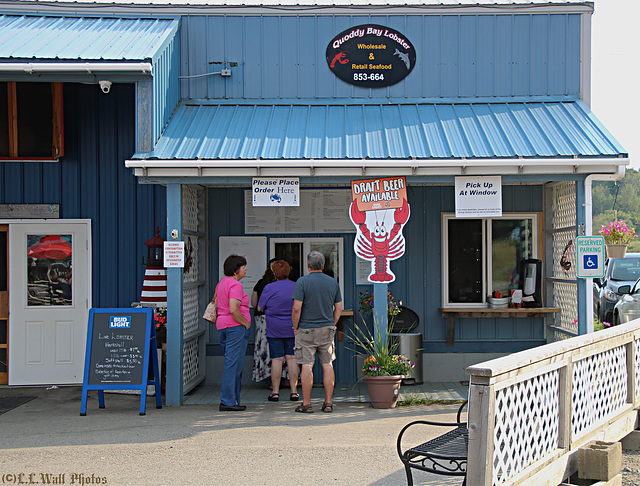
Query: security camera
[105,86]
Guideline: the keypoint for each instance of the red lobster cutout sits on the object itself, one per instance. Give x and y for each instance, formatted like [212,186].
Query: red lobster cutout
[382,245]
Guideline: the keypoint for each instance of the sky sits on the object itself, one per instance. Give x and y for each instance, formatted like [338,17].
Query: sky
[615,71]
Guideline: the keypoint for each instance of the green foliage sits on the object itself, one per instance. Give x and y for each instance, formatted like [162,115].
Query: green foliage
[626,197]
[409,399]
[599,326]
[378,353]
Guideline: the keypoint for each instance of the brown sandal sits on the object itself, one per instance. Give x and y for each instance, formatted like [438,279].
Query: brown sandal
[327,407]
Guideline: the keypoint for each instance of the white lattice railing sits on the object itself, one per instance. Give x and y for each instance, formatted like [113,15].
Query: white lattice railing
[563,273]
[530,412]
[192,328]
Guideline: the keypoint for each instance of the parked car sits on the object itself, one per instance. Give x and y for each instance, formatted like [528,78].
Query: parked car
[628,307]
[618,272]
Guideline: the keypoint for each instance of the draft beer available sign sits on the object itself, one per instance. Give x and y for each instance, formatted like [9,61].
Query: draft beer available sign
[371,56]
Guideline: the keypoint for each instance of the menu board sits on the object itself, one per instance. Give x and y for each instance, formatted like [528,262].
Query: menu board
[118,354]
[320,211]
[117,348]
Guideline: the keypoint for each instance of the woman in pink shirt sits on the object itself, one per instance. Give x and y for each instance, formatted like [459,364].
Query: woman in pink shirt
[233,323]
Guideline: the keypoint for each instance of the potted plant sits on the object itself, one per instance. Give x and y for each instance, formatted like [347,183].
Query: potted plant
[382,368]
[617,236]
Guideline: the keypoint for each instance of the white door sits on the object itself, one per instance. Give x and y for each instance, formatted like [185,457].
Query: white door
[49,301]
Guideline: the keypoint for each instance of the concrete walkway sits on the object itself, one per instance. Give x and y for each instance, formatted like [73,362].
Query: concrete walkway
[343,393]
[268,444]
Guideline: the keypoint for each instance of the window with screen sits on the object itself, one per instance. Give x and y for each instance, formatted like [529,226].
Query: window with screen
[31,128]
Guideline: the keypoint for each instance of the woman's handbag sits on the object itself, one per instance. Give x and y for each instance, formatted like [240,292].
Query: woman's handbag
[211,312]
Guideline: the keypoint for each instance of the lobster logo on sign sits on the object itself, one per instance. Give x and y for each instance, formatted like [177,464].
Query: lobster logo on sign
[379,211]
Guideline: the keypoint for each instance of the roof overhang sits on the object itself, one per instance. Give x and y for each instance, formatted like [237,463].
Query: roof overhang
[196,169]
[70,48]
[414,139]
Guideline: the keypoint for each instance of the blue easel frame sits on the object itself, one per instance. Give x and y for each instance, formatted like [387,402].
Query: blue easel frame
[150,337]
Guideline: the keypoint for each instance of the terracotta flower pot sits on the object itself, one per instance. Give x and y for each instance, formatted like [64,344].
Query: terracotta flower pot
[384,390]
[616,251]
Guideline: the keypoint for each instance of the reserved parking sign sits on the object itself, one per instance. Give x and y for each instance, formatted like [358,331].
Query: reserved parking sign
[590,252]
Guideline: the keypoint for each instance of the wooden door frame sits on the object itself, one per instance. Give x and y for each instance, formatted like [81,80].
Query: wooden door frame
[4,308]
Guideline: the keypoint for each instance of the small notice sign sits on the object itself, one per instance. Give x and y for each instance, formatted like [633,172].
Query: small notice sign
[478,197]
[275,191]
[590,255]
[174,254]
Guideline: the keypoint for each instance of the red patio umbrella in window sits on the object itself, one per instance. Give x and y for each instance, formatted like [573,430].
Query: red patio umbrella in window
[53,247]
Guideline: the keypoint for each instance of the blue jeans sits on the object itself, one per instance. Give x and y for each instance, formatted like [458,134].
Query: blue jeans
[234,342]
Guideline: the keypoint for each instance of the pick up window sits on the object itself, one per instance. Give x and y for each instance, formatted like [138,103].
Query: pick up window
[483,255]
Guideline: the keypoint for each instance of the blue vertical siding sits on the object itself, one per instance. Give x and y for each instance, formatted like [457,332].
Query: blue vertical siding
[418,273]
[91,182]
[458,56]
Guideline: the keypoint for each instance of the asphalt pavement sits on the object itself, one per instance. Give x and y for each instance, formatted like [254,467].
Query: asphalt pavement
[46,441]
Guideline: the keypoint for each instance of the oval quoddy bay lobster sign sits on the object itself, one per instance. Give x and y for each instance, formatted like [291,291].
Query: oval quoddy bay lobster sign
[371,56]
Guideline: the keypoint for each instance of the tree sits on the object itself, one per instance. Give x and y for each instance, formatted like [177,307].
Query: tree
[622,196]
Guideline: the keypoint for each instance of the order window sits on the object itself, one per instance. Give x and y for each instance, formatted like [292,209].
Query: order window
[483,255]
[295,251]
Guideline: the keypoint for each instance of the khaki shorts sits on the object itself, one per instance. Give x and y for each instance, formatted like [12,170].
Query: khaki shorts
[312,340]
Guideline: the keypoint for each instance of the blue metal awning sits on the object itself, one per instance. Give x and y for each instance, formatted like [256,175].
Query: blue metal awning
[55,38]
[432,131]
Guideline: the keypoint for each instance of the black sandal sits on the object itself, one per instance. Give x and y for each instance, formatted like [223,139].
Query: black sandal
[274,397]
[327,407]
[304,408]
[294,397]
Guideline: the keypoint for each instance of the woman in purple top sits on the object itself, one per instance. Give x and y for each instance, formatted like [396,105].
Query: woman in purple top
[276,303]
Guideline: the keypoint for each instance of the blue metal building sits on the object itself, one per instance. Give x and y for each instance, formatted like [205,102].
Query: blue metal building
[205,98]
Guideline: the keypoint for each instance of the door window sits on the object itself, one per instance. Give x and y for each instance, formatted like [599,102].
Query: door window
[295,250]
[49,270]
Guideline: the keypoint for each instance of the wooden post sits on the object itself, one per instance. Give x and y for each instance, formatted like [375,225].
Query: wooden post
[565,391]
[631,371]
[481,429]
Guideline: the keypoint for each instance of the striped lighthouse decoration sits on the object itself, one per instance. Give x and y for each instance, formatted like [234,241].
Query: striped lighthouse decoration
[154,288]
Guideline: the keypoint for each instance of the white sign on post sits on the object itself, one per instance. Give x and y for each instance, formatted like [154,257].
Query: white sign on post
[478,197]
[275,191]
[173,254]
[590,255]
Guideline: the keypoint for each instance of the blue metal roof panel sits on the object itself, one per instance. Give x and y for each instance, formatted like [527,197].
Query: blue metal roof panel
[73,38]
[382,131]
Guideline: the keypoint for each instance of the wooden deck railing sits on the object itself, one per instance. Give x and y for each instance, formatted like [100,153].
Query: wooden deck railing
[530,412]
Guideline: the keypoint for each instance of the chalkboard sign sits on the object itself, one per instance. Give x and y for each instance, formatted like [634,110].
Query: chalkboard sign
[118,355]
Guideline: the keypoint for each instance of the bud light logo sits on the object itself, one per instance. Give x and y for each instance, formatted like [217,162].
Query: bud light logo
[119,322]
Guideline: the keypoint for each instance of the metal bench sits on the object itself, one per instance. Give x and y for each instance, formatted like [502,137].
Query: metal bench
[445,455]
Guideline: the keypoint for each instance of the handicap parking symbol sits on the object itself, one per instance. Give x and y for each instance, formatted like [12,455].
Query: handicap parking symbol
[590,261]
